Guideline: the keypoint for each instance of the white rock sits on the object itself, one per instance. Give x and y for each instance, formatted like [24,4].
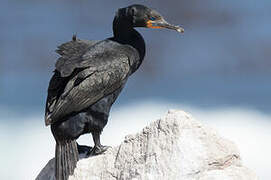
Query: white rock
[176,147]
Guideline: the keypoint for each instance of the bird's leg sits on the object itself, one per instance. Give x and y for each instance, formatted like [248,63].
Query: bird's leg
[98,148]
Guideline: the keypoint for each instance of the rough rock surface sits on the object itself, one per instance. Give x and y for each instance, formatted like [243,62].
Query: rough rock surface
[176,147]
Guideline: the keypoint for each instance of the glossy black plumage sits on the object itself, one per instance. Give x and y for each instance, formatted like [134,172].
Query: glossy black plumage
[88,78]
[96,72]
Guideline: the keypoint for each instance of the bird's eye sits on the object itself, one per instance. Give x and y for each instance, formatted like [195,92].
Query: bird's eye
[152,18]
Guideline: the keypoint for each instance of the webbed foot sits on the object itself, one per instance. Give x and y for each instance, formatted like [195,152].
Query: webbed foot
[96,150]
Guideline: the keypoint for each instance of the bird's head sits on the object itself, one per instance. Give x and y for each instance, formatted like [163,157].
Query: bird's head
[142,16]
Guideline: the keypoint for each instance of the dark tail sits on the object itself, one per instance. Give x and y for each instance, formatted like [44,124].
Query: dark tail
[66,157]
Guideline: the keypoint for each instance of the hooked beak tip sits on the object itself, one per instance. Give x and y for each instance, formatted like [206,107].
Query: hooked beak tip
[180,30]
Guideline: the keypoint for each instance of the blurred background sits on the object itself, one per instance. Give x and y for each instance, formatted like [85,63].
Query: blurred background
[218,70]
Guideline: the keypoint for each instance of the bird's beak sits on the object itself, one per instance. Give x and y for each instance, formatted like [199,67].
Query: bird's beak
[161,23]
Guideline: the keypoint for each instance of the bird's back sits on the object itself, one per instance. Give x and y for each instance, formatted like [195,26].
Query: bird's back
[70,54]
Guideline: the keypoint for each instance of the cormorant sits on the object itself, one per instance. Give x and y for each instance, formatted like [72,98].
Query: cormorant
[88,78]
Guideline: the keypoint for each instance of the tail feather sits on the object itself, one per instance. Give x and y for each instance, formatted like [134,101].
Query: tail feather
[66,157]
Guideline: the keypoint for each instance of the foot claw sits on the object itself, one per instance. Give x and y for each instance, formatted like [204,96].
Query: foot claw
[96,150]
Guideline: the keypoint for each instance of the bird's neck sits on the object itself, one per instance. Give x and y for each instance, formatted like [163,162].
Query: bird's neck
[124,33]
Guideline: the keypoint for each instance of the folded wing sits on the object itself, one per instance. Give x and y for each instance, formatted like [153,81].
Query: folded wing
[80,81]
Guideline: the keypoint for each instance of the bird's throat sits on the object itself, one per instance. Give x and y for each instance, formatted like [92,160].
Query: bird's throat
[124,33]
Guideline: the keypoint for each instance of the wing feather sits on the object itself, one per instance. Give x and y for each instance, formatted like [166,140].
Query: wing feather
[96,73]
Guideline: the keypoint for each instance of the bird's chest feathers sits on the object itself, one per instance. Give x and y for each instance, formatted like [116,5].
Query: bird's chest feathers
[133,57]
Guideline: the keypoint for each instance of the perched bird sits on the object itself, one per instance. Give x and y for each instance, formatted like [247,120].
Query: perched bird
[88,78]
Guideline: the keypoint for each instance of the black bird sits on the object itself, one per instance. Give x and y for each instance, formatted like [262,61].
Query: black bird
[88,78]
